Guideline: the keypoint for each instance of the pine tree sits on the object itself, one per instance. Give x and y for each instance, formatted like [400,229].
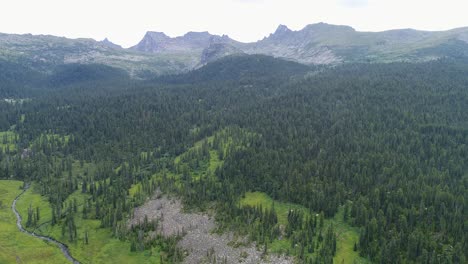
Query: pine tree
[38,215]
[86,237]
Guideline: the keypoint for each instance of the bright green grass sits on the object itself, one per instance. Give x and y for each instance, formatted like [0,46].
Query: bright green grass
[346,235]
[281,208]
[63,139]
[7,140]
[206,170]
[102,247]
[215,162]
[136,188]
[259,198]
[35,200]
[17,247]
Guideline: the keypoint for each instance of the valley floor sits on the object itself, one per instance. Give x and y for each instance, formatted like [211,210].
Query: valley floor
[17,247]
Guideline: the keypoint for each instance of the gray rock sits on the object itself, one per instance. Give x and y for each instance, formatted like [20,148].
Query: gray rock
[199,241]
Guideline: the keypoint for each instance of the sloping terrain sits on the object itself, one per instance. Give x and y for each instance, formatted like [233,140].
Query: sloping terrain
[377,150]
[43,53]
[330,44]
[158,54]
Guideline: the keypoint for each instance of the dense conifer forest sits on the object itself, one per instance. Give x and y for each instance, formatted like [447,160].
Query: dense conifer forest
[385,145]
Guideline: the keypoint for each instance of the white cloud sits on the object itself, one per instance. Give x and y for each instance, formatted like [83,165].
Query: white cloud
[249,1]
[354,3]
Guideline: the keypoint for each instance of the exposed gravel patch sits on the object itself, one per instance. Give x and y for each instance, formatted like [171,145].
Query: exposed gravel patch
[199,241]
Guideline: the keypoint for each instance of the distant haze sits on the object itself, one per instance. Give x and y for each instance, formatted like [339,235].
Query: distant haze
[125,22]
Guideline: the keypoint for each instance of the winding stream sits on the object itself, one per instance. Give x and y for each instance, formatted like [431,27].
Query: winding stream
[62,246]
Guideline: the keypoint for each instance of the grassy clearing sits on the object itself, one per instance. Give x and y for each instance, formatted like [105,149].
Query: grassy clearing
[259,198]
[197,145]
[207,167]
[346,235]
[214,163]
[8,140]
[17,247]
[30,198]
[102,247]
[282,209]
[63,139]
[136,188]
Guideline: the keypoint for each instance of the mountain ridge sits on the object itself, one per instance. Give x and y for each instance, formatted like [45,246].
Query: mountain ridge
[158,53]
[156,42]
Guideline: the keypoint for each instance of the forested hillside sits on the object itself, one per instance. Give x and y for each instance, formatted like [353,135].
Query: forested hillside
[382,146]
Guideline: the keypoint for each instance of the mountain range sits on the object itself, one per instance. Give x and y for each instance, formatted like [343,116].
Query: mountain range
[158,53]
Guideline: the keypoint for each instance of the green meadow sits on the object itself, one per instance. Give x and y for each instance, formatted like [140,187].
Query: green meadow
[102,247]
[7,140]
[17,247]
[346,235]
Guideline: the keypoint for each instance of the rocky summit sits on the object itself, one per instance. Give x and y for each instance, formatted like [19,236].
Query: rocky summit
[110,44]
[158,42]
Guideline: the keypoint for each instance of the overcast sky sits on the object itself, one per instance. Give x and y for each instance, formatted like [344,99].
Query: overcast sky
[125,22]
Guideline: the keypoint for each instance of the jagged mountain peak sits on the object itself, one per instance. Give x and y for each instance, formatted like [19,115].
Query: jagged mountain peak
[153,42]
[110,44]
[319,43]
[283,33]
[156,35]
[156,42]
[282,29]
